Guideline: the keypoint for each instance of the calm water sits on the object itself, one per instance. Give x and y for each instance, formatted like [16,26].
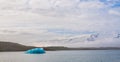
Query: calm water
[63,56]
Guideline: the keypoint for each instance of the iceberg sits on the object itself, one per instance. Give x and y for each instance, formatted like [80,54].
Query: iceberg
[35,51]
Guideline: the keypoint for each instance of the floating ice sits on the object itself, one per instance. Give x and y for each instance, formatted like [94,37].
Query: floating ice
[36,51]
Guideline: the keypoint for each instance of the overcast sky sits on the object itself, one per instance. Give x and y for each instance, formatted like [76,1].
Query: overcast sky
[55,22]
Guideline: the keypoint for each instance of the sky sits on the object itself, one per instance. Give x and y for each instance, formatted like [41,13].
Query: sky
[74,23]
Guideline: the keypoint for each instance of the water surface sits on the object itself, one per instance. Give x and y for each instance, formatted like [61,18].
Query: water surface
[63,56]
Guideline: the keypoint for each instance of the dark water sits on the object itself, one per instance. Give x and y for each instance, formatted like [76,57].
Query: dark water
[63,56]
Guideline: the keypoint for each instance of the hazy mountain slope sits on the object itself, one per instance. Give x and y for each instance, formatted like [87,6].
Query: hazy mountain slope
[8,46]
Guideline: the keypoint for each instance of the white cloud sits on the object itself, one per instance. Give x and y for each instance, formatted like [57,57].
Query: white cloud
[31,20]
[114,12]
[91,4]
[39,4]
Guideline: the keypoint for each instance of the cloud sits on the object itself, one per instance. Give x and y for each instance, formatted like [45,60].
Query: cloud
[91,4]
[115,12]
[42,21]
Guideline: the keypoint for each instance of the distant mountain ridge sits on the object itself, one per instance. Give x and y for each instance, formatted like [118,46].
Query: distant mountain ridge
[9,46]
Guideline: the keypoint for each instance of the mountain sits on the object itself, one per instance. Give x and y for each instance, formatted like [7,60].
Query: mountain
[9,46]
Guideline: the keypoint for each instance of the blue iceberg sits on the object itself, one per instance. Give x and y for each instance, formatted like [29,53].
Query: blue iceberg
[36,51]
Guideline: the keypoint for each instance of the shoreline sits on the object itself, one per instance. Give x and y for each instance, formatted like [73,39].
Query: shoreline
[69,49]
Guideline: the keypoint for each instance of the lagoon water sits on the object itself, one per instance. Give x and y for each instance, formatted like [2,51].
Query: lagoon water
[63,56]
